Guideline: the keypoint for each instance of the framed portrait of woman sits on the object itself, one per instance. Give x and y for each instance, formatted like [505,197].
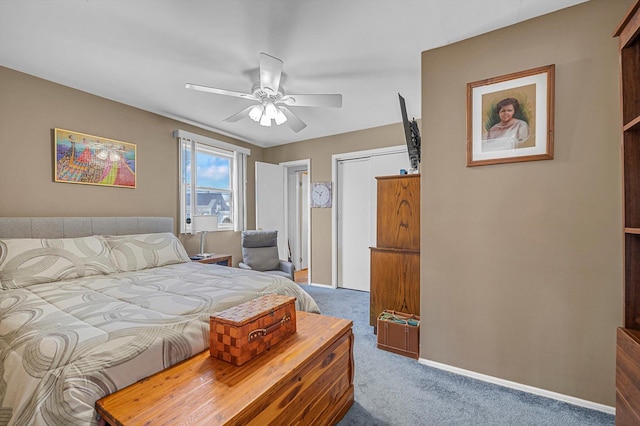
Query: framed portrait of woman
[510,118]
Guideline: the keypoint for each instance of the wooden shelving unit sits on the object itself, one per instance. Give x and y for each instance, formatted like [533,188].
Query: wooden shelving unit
[395,261]
[628,337]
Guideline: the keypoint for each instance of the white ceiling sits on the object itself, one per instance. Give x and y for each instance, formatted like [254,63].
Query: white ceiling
[142,52]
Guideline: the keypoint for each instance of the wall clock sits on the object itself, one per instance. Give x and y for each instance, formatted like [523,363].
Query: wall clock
[321,194]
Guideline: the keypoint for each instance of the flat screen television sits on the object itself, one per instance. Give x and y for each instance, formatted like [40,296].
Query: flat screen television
[412,136]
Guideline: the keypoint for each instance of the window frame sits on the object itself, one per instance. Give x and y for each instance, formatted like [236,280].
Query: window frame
[238,160]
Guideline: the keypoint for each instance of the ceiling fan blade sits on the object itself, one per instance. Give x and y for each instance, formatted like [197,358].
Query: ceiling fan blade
[220,91]
[238,115]
[270,73]
[293,121]
[332,101]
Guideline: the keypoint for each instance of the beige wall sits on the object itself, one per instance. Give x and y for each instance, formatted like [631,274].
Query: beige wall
[319,151]
[522,263]
[31,107]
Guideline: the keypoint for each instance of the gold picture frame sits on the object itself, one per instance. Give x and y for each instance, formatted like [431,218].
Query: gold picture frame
[510,118]
[93,160]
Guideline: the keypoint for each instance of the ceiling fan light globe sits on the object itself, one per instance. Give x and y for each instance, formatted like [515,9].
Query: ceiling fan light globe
[270,110]
[280,117]
[255,113]
[265,121]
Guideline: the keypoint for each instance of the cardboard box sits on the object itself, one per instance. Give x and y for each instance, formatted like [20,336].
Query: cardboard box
[241,333]
[399,332]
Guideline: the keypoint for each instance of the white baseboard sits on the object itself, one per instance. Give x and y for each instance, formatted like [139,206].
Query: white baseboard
[322,285]
[518,386]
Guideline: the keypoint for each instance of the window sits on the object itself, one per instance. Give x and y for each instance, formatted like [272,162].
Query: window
[216,185]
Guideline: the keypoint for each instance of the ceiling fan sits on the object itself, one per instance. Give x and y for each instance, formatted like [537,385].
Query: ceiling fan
[272,103]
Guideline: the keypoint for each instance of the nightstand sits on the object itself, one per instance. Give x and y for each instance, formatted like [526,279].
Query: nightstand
[218,259]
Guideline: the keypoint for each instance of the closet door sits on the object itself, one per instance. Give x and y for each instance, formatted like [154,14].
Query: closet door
[356,203]
[354,223]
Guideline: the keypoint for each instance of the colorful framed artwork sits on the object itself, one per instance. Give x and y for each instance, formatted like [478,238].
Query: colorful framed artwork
[510,118]
[93,160]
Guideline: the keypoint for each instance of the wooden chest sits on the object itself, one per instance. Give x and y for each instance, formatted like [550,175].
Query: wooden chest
[306,380]
[241,333]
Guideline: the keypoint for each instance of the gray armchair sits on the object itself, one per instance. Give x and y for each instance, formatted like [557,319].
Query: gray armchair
[260,253]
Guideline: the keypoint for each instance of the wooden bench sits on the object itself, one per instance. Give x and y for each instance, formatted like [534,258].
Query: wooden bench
[305,379]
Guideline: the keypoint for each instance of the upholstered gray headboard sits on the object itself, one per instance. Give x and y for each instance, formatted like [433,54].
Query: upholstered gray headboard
[72,227]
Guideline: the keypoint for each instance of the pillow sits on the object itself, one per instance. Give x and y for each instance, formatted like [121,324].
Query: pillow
[260,250]
[25,261]
[252,239]
[142,251]
[261,258]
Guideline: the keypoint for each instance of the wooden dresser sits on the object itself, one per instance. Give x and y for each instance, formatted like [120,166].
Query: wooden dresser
[628,338]
[305,379]
[395,260]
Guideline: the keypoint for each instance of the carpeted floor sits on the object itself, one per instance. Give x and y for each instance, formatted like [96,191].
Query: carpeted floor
[395,390]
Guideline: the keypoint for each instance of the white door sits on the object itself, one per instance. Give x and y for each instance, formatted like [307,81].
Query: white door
[303,220]
[354,229]
[270,181]
[356,224]
[297,218]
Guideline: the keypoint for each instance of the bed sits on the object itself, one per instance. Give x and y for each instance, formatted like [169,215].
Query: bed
[89,306]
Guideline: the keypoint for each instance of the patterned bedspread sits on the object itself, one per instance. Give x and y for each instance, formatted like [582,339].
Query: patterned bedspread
[65,344]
